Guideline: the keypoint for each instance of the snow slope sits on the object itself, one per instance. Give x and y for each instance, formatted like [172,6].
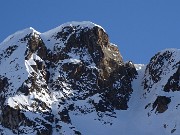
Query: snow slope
[71,80]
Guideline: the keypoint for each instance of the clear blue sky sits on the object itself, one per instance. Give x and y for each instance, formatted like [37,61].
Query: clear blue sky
[139,27]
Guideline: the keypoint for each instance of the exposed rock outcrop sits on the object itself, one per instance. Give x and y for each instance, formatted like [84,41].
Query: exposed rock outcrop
[161,104]
[75,62]
[55,77]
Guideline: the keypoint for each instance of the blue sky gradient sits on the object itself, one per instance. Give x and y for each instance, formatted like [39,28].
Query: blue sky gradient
[140,28]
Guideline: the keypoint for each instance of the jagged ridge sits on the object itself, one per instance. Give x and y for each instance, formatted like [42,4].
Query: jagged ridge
[73,73]
[74,62]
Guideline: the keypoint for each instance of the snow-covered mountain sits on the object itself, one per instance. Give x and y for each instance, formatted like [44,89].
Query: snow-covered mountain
[72,81]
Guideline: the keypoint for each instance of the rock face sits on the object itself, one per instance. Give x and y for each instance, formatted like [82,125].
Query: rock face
[163,63]
[160,84]
[161,76]
[58,68]
[58,79]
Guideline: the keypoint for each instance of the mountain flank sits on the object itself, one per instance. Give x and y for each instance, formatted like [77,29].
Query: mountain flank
[72,80]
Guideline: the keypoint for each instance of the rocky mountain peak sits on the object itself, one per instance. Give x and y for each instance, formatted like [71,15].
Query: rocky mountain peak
[162,76]
[58,79]
[163,63]
[56,70]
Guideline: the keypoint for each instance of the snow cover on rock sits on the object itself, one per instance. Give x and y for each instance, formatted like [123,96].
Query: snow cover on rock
[19,34]
[47,36]
[54,105]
